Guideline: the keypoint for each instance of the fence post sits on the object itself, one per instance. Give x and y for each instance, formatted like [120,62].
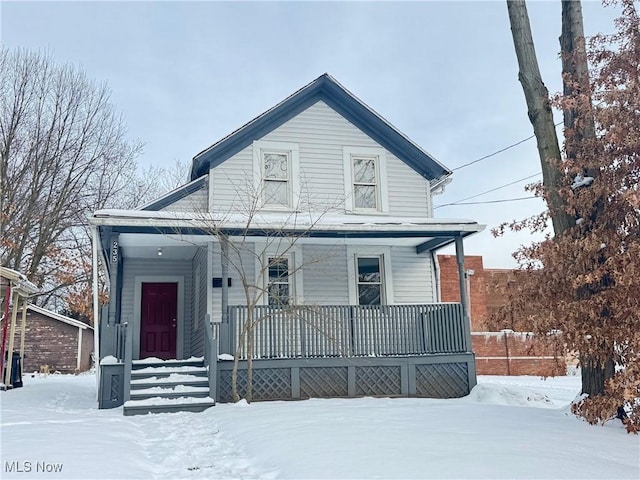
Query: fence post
[211,357]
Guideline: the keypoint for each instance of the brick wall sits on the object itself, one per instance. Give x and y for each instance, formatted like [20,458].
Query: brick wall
[450,286]
[49,342]
[496,353]
[514,353]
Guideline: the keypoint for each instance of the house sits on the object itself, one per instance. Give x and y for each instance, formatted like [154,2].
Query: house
[498,352]
[56,342]
[304,247]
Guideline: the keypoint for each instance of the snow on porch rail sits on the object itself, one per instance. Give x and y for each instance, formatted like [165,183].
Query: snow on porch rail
[346,330]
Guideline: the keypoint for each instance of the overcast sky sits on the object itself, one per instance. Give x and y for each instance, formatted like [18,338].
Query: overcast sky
[185,74]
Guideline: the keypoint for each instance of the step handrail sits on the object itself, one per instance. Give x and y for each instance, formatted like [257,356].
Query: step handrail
[128,361]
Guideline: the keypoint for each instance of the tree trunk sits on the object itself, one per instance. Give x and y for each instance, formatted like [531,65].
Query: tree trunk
[540,114]
[575,74]
[595,375]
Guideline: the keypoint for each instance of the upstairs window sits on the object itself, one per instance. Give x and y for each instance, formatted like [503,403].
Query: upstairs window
[276,180]
[275,174]
[278,287]
[365,183]
[365,180]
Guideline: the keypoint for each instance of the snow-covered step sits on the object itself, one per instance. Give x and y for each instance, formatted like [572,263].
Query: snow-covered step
[170,381]
[153,361]
[167,405]
[166,371]
[170,392]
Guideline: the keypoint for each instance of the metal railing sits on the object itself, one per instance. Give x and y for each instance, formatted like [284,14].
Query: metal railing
[345,330]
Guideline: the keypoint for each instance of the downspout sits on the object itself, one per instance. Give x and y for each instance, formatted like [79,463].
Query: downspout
[79,355]
[436,274]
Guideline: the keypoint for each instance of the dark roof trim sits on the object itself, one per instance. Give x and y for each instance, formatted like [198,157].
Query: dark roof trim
[435,244]
[175,195]
[442,237]
[327,89]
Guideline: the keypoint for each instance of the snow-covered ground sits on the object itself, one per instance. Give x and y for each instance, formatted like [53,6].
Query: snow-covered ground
[509,427]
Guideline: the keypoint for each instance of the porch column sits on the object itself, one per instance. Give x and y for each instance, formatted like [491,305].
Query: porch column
[224,259]
[225,328]
[463,291]
[114,259]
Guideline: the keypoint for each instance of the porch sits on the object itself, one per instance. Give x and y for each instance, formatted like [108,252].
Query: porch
[303,352]
[321,342]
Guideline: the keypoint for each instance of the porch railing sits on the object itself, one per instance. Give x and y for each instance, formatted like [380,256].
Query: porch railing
[345,330]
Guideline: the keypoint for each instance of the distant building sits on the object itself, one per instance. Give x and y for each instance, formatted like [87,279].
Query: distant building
[505,352]
[60,343]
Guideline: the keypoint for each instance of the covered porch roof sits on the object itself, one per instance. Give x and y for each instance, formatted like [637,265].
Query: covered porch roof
[140,230]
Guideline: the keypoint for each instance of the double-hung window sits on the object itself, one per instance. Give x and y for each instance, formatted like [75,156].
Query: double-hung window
[365,180]
[366,189]
[369,280]
[276,174]
[278,285]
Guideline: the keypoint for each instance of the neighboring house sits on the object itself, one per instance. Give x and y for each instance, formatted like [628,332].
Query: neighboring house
[56,342]
[505,352]
[325,211]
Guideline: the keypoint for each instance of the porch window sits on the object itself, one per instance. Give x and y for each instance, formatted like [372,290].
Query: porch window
[365,183]
[369,280]
[276,178]
[278,287]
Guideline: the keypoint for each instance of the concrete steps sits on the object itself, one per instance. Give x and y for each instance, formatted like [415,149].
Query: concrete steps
[168,386]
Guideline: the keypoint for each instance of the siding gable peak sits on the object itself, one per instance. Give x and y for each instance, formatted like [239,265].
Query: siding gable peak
[324,88]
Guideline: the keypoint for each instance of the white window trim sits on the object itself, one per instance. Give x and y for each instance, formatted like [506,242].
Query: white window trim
[294,254]
[348,152]
[292,149]
[370,251]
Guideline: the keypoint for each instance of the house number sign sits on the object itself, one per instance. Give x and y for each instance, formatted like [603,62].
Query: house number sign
[114,251]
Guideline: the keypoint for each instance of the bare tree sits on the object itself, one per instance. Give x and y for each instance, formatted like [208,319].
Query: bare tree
[63,154]
[63,151]
[266,264]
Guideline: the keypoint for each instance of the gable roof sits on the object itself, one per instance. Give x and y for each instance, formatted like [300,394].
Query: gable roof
[61,318]
[327,89]
[175,195]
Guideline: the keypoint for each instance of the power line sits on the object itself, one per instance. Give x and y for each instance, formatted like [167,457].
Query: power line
[498,151]
[458,202]
[492,201]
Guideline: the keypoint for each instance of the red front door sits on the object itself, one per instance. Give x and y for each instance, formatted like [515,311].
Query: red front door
[158,320]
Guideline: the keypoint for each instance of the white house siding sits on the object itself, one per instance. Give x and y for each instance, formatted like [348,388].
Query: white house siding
[152,267]
[412,276]
[324,272]
[196,332]
[321,133]
[228,182]
[196,202]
